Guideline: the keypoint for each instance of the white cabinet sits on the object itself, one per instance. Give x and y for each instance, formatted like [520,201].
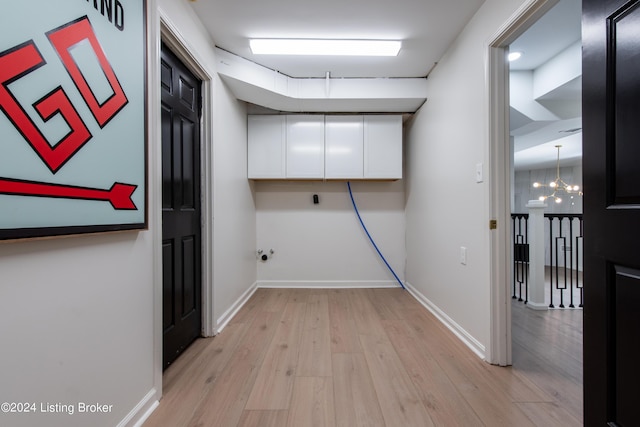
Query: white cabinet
[363,147]
[344,142]
[382,147]
[266,147]
[305,146]
[325,147]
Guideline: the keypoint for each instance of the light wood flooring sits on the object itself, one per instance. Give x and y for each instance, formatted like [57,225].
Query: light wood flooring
[361,357]
[547,349]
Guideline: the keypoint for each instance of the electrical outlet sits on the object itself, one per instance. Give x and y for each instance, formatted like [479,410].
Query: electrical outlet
[463,255]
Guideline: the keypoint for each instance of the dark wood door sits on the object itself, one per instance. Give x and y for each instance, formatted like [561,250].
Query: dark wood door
[181,229]
[611,168]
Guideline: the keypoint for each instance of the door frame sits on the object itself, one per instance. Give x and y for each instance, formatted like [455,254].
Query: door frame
[497,86]
[169,34]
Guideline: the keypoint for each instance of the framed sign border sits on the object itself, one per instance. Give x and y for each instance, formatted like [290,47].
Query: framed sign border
[26,233]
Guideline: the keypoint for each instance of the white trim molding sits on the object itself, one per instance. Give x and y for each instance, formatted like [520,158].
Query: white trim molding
[141,412]
[447,321]
[537,306]
[497,87]
[155,192]
[235,307]
[328,284]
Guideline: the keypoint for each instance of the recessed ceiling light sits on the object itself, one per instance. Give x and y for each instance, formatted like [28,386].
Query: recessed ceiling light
[514,56]
[330,47]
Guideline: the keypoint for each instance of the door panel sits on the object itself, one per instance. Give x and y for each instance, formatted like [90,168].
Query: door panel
[181,229]
[624,36]
[188,148]
[611,155]
[168,286]
[627,346]
[167,158]
[189,288]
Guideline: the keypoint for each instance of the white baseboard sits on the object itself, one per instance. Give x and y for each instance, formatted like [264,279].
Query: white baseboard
[228,315]
[458,330]
[142,411]
[537,306]
[328,284]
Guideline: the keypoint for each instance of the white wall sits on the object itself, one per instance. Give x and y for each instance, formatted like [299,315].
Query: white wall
[446,208]
[76,325]
[234,212]
[559,70]
[324,244]
[77,313]
[522,99]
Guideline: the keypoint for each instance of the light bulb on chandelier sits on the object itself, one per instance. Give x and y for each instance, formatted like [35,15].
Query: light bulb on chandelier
[558,185]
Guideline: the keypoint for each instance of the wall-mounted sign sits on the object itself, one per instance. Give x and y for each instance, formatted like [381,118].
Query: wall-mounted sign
[72,117]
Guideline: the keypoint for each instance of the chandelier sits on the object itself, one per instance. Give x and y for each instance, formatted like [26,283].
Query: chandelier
[558,185]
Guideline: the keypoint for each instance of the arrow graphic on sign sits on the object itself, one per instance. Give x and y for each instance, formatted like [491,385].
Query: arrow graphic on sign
[119,195]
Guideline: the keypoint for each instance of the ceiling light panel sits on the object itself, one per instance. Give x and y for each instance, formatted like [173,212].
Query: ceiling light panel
[330,47]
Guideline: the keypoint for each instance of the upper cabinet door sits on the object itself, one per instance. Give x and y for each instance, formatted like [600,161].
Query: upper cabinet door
[325,147]
[266,147]
[344,142]
[305,146]
[383,147]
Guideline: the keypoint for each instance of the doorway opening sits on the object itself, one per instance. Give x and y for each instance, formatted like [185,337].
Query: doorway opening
[541,94]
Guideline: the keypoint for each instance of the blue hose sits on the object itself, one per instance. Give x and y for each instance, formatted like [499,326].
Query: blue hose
[371,238]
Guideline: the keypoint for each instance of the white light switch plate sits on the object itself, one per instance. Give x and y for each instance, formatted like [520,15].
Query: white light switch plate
[479,174]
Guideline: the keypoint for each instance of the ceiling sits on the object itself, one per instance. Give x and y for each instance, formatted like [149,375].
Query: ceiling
[426,28]
[551,34]
[535,140]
